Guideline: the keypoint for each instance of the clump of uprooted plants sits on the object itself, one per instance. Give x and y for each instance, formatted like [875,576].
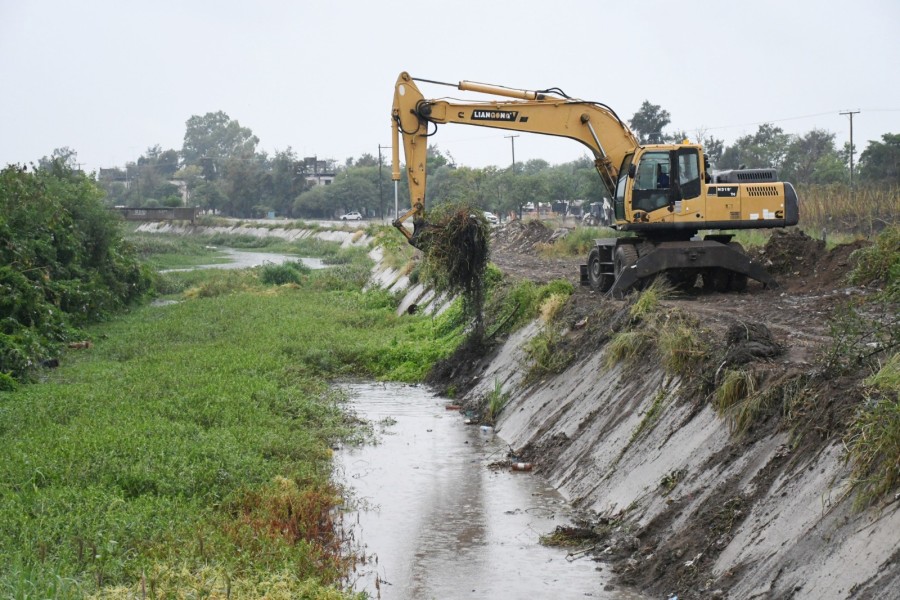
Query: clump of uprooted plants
[456,248]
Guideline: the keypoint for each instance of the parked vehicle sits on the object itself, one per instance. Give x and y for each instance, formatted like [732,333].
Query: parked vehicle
[352,216]
[491,218]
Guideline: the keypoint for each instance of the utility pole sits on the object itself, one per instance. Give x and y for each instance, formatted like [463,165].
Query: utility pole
[512,139]
[850,113]
[380,194]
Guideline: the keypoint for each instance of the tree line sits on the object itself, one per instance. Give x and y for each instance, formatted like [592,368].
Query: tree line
[221,169]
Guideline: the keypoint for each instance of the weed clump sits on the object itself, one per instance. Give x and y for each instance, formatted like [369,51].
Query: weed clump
[289,272]
[873,440]
[456,249]
[880,263]
[495,402]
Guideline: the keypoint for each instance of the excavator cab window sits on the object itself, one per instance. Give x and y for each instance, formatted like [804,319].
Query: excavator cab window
[689,173]
[625,172]
[651,182]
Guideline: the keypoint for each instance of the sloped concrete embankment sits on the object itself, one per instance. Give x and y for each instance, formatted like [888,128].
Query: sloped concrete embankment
[343,237]
[728,518]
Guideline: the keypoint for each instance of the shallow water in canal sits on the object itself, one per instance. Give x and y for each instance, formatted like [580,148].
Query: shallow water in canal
[245,259]
[439,522]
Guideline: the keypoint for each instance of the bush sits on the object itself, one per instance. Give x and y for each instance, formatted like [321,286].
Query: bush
[65,263]
[289,272]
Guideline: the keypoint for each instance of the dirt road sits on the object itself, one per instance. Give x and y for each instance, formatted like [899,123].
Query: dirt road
[813,282]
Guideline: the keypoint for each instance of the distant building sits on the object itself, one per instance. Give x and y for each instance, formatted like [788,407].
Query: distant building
[318,172]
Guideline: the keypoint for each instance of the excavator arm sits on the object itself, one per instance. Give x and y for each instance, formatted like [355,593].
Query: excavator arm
[549,112]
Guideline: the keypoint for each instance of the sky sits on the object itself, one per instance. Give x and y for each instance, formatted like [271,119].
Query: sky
[111,79]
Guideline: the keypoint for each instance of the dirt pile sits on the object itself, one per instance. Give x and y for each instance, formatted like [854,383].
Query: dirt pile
[801,263]
[523,236]
[515,249]
[748,341]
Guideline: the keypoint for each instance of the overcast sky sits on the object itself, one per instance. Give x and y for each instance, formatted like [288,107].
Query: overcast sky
[112,78]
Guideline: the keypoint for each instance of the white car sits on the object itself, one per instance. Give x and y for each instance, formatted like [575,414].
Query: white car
[491,218]
[352,216]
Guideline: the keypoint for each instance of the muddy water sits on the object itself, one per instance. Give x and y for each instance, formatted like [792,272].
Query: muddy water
[245,259]
[437,522]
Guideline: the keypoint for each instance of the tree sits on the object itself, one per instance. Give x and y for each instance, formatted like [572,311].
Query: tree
[764,149]
[242,183]
[146,181]
[813,158]
[314,203]
[191,176]
[215,137]
[712,147]
[880,161]
[366,160]
[62,159]
[525,188]
[435,158]
[209,196]
[353,189]
[286,181]
[649,121]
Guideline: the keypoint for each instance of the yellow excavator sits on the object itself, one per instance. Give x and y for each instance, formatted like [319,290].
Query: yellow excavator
[664,193]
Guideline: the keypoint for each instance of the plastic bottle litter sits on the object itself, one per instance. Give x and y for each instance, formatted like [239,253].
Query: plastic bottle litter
[487,429]
[521,466]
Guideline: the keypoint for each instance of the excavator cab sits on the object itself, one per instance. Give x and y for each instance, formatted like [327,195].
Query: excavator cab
[651,189]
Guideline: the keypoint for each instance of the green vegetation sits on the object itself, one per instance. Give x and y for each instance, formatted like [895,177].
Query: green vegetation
[864,330]
[289,272]
[545,355]
[674,335]
[873,442]
[880,263]
[63,265]
[512,306]
[681,346]
[578,241]
[627,346]
[494,403]
[167,252]
[546,352]
[737,399]
[188,451]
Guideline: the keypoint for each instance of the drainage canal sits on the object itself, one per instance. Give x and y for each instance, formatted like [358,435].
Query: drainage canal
[435,519]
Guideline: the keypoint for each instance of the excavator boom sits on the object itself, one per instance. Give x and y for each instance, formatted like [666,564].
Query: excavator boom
[547,112]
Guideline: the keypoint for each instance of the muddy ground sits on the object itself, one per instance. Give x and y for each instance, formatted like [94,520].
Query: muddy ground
[780,333]
[812,280]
